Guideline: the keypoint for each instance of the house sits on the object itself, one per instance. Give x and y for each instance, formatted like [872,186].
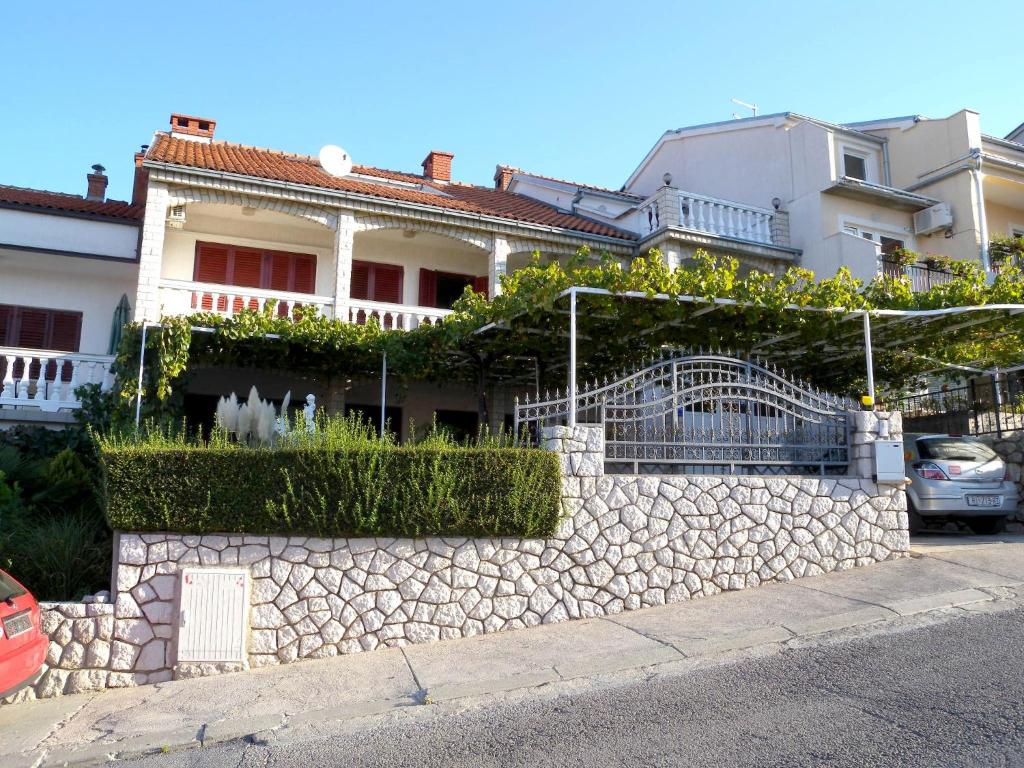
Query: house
[853,193]
[68,268]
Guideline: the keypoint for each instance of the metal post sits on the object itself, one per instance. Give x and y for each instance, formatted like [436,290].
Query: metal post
[867,356]
[997,402]
[572,357]
[383,391]
[138,388]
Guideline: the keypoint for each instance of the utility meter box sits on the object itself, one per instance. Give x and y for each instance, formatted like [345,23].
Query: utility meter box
[889,467]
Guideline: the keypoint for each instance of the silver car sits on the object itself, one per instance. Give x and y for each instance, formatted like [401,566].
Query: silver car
[957,477]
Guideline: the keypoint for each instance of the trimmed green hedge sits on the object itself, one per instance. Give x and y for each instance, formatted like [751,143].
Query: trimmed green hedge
[388,491]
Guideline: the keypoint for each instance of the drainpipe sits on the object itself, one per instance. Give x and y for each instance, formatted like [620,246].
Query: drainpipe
[982,217]
[886,172]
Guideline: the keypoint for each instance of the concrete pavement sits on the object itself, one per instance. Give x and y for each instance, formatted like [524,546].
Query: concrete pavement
[943,572]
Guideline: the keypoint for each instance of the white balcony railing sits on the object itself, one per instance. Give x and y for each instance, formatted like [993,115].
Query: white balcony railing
[723,218]
[183,297]
[720,217]
[47,379]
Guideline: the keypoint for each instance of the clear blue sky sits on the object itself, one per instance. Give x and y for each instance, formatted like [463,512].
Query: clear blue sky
[579,90]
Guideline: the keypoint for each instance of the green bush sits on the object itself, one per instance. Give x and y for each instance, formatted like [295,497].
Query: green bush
[342,480]
[53,537]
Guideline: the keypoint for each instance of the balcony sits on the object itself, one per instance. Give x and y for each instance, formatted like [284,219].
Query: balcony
[184,297]
[671,207]
[47,379]
[922,277]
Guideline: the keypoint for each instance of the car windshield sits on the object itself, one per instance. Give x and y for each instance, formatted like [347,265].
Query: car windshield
[954,449]
[9,588]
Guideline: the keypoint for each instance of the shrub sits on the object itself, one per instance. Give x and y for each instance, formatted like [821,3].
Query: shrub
[341,482]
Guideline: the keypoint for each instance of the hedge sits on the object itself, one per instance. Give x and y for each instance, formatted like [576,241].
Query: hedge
[389,491]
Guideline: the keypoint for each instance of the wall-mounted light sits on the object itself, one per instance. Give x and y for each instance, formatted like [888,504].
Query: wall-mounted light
[776,203]
[667,178]
[409,233]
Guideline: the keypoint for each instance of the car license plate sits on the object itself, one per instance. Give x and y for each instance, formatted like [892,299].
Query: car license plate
[18,624]
[984,501]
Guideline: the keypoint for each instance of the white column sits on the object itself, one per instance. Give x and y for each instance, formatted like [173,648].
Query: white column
[500,250]
[344,238]
[151,253]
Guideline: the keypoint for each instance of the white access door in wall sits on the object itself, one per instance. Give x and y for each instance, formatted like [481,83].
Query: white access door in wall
[213,614]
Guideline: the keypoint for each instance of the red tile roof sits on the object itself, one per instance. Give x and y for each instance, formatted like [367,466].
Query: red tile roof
[58,201]
[594,187]
[303,169]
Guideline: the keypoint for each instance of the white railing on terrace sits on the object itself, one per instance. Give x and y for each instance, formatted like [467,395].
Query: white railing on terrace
[700,213]
[397,316]
[47,379]
[183,297]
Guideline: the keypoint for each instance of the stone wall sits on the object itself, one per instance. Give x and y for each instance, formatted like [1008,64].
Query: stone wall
[625,542]
[1010,446]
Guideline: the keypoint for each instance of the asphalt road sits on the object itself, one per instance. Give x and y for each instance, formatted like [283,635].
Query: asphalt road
[947,694]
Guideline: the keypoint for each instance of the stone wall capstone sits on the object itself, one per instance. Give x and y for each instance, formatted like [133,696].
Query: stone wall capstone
[624,542]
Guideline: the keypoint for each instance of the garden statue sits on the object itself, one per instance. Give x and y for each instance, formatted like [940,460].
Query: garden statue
[309,413]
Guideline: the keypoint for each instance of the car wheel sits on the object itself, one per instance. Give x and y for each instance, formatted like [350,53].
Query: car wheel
[988,525]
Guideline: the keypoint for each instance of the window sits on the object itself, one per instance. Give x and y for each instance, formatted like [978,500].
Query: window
[442,289]
[377,282]
[33,328]
[251,268]
[855,166]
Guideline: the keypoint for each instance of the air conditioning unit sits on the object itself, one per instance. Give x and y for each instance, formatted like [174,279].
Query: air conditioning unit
[176,217]
[933,219]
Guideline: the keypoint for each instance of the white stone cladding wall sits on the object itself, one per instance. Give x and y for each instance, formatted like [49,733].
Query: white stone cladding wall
[625,542]
[1010,446]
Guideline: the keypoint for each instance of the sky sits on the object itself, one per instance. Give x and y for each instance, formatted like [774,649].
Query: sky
[576,90]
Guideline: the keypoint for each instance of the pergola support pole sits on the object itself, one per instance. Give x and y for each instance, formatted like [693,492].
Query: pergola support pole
[869,361]
[572,357]
[383,391]
[138,386]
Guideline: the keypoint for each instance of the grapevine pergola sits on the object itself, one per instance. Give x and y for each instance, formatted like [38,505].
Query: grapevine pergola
[816,342]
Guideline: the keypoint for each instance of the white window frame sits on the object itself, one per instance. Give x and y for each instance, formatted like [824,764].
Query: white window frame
[867,153]
[863,227]
[1015,230]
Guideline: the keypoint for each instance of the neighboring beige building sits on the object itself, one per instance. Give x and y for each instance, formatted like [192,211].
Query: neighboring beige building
[853,192]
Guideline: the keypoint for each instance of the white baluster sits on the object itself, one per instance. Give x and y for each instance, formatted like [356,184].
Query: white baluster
[26,363]
[8,390]
[41,379]
[702,225]
[73,384]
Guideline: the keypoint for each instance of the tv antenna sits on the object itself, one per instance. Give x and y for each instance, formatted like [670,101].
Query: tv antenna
[751,107]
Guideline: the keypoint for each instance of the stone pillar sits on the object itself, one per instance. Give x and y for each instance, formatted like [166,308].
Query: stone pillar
[498,264]
[864,430]
[780,228]
[580,448]
[344,237]
[151,253]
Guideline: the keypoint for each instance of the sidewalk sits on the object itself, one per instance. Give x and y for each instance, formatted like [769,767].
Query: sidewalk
[943,572]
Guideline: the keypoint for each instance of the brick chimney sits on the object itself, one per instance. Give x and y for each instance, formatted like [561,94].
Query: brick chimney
[97,189]
[141,178]
[438,166]
[502,176]
[189,127]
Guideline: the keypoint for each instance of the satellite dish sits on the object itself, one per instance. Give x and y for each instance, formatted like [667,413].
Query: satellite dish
[335,160]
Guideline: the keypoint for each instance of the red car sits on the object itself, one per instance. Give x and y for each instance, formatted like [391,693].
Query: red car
[22,643]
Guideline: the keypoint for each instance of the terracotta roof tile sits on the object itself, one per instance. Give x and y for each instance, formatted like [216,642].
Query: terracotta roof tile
[58,201]
[581,185]
[303,169]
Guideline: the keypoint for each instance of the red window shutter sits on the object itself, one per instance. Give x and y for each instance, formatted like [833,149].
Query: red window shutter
[6,325]
[248,268]
[279,272]
[305,274]
[360,280]
[428,288]
[211,264]
[66,331]
[33,328]
[387,284]
[482,285]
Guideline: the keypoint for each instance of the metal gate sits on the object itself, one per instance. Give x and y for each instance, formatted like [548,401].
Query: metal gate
[706,414]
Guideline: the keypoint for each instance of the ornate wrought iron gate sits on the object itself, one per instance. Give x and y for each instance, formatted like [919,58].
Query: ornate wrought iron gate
[707,414]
